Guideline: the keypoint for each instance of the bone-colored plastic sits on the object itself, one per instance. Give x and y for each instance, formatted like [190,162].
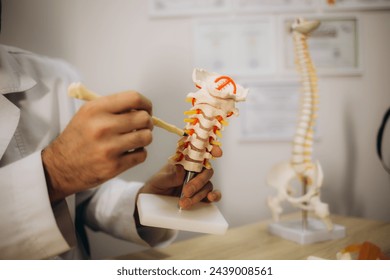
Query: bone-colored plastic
[212,104]
[301,165]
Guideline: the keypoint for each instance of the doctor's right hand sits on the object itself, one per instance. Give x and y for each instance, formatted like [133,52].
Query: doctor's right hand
[105,137]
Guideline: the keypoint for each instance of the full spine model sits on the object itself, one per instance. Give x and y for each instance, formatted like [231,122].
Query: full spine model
[301,165]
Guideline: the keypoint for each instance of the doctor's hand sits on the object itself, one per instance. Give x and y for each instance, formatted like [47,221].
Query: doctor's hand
[169,181]
[105,137]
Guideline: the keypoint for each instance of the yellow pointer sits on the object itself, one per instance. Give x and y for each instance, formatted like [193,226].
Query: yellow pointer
[79,91]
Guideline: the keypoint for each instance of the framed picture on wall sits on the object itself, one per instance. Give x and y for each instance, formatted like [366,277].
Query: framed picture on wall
[270,112]
[355,5]
[274,6]
[334,47]
[237,47]
[174,8]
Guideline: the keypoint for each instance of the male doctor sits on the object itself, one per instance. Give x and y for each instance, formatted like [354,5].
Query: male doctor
[51,160]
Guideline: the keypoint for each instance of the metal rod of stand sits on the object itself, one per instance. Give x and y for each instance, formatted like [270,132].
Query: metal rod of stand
[304,212]
[188,177]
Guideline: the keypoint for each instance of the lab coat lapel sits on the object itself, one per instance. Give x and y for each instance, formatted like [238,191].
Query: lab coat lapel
[12,80]
[9,119]
[12,77]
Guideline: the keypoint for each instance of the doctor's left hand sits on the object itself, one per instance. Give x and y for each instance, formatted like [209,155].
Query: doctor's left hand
[169,181]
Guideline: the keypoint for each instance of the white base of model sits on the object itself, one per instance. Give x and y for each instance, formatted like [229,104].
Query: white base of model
[163,211]
[315,231]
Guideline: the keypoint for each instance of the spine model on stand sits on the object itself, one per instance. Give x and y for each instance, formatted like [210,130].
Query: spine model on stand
[212,104]
[301,166]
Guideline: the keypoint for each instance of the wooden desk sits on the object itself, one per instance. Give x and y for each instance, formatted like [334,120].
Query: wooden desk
[254,242]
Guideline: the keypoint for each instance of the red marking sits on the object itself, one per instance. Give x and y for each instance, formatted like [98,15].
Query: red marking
[224,84]
[179,156]
[229,114]
[199,87]
[219,118]
[193,101]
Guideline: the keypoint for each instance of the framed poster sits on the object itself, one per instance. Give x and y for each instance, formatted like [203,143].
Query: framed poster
[274,6]
[237,47]
[334,46]
[172,8]
[270,112]
[355,5]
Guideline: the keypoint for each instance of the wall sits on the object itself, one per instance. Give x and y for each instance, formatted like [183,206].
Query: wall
[117,47]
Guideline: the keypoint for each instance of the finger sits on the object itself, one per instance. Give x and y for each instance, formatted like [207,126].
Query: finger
[133,120]
[134,140]
[214,196]
[125,101]
[179,173]
[170,176]
[216,151]
[131,159]
[167,181]
[187,202]
[197,183]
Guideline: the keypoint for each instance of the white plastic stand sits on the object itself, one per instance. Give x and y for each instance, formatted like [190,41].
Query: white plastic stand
[163,211]
[314,231]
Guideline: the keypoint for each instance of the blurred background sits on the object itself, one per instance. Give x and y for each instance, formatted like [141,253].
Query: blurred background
[120,45]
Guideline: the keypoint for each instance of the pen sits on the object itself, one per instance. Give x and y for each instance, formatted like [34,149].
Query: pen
[79,91]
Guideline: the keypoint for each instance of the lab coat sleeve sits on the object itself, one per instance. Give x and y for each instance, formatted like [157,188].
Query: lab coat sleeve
[28,227]
[111,210]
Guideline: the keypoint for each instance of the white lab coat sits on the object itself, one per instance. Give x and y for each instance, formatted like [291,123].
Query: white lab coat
[34,109]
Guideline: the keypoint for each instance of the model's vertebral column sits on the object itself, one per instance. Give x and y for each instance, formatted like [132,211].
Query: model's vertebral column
[212,104]
[303,140]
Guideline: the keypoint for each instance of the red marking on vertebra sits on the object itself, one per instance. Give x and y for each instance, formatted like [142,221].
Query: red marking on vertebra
[229,114]
[224,84]
[199,87]
[180,157]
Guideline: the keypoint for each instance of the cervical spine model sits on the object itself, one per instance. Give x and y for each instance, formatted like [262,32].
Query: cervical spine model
[212,104]
[301,165]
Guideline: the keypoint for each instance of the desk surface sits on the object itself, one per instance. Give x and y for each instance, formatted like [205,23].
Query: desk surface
[254,242]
